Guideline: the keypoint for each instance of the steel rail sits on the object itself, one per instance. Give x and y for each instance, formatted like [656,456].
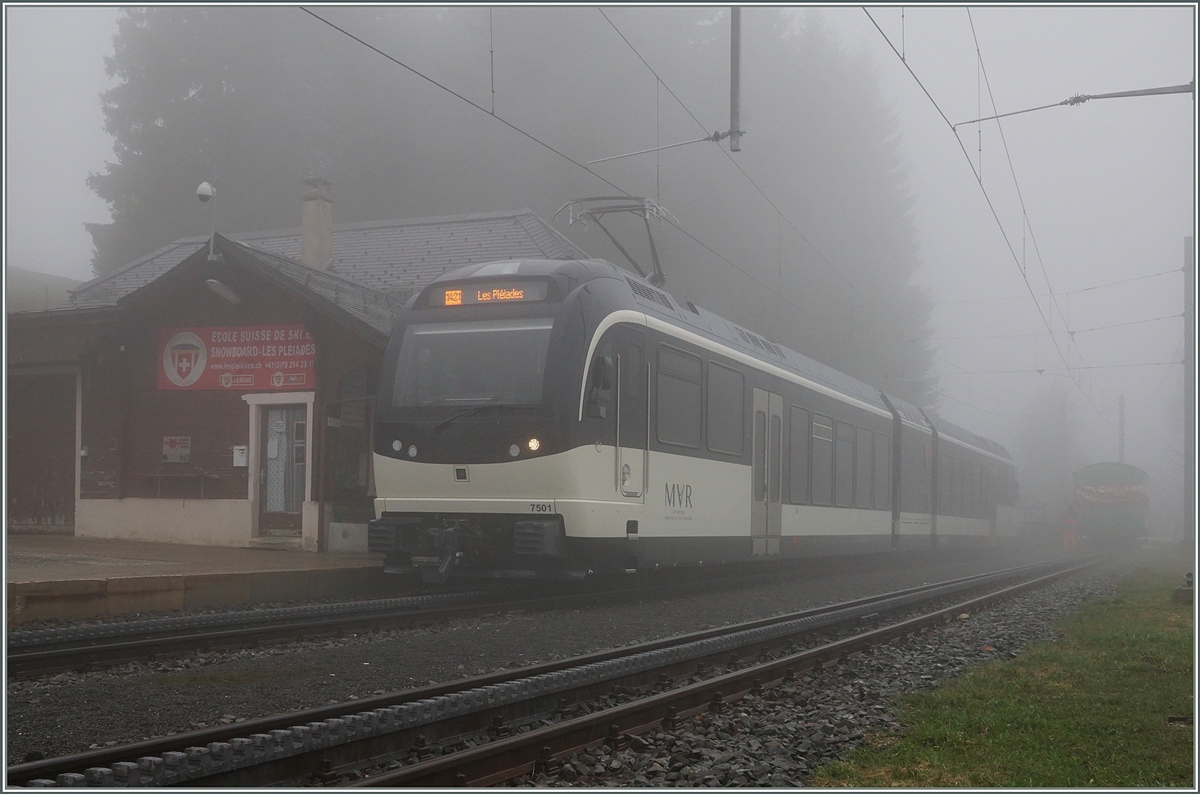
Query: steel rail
[53,637]
[107,757]
[85,653]
[539,749]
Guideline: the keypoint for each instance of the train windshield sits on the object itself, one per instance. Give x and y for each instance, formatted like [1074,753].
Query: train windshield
[501,362]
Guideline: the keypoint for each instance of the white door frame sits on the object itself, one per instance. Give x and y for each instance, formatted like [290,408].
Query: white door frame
[256,401]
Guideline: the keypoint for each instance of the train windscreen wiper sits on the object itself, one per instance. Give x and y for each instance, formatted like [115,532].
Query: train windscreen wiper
[442,425]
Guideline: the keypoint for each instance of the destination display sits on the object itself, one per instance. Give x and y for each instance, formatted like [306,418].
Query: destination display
[472,294]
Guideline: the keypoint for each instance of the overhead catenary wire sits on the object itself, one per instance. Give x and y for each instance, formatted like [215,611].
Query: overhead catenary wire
[1026,225]
[737,165]
[613,185]
[1076,331]
[1062,369]
[564,156]
[779,212]
[454,93]
[1064,292]
[988,199]
[995,216]
[533,138]
[1167,371]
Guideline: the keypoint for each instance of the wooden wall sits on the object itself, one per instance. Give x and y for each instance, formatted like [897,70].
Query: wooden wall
[125,415]
[40,426]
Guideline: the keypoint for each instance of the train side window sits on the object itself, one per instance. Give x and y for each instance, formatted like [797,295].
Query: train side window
[776,434]
[977,471]
[951,486]
[601,378]
[679,397]
[843,464]
[864,487]
[726,409]
[883,469]
[798,471]
[972,488]
[945,503]
[968,490]
[956,479]
[822,460]
[631,430]
[760,456]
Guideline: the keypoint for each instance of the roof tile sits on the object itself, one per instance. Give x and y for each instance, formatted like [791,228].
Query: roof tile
[395,257]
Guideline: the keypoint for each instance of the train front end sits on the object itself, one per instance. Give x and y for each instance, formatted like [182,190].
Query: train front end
[472,431]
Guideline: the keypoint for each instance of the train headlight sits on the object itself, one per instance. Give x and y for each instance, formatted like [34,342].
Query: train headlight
[397,445]
[412,450]
[534,444]
[514,450]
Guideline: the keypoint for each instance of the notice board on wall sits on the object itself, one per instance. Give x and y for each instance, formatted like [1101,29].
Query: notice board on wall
[241,358]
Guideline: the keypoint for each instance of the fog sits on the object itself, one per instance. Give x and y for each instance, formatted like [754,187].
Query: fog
[885,258]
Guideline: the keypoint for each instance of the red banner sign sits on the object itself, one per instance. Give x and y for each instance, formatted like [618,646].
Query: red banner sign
[247,358]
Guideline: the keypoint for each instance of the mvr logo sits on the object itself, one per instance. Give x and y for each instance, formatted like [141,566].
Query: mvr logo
[678,495]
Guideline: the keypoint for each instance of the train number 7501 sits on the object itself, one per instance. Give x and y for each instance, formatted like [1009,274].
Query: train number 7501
[541,507]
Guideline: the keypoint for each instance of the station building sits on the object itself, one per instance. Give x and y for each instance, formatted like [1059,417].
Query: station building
[220,391]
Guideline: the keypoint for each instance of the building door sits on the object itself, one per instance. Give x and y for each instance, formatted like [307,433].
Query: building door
[766,506]
[632,406]
[282,474]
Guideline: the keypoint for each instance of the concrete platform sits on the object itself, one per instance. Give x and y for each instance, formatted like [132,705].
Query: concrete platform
[56,576]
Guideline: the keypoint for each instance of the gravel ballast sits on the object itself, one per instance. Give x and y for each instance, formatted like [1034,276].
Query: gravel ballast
[777,739]
[71,713]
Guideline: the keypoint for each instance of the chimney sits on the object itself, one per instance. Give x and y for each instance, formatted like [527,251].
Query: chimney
[316,224]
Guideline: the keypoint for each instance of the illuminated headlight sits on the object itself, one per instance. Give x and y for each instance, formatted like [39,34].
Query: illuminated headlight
[412,450]
[534,444]
[514,450]
[397,445]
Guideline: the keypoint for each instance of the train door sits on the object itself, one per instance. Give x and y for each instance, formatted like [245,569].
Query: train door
[766,508]
[632,406]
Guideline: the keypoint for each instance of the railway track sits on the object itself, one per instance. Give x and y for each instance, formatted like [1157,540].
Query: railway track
[483,730]
[40,652]
[46,651]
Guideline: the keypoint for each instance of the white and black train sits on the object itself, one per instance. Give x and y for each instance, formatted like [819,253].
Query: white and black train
[542,418]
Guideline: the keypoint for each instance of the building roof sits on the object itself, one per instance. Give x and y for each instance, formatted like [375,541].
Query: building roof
[396,257]
[368,312]
[29,290]
[374,308]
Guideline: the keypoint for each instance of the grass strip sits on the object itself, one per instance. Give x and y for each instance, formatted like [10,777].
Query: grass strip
[1089,710]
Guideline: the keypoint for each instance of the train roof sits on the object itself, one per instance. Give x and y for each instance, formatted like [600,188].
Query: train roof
[910,413]
[1110,473]
[654,301]
[958,433]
